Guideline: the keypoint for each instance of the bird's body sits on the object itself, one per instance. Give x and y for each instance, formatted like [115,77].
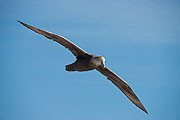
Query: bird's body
[89,62]
[85,62]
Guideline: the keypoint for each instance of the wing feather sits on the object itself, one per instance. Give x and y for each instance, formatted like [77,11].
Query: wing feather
[77,51]
[123,86]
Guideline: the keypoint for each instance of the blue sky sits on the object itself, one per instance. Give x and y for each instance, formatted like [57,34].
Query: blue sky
[140,40]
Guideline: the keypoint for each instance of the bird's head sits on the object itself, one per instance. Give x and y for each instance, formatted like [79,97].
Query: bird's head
[98,61]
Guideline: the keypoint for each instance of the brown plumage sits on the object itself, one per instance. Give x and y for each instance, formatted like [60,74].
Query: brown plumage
[86,62]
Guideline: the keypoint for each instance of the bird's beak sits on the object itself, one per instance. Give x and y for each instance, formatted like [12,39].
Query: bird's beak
[103,66]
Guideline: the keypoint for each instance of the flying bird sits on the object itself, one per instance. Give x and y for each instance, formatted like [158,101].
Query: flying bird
[85,62]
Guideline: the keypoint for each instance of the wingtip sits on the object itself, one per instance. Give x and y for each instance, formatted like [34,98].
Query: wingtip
[143,108]
[24,24]
[146,112]
[20,22]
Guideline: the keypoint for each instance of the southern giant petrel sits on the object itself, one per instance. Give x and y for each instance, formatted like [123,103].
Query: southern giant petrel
[85,62]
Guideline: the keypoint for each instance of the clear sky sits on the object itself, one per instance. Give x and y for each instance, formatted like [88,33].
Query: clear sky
[140,40]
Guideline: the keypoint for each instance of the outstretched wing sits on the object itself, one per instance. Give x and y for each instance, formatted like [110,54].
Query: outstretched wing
[77,51]
[123,86]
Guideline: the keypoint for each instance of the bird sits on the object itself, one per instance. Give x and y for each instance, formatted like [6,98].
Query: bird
[86,62]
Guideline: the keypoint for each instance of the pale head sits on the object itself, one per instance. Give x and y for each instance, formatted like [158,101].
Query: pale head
[98,61]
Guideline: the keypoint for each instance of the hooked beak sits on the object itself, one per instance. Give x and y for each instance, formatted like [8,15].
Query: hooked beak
[102,65]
